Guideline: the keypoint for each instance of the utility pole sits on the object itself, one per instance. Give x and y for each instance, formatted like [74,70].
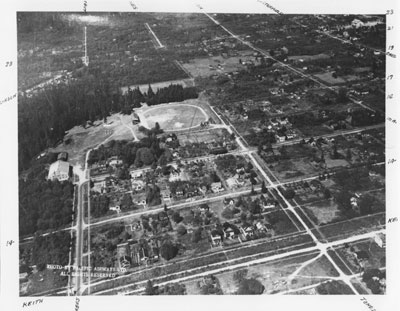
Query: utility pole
[85,58]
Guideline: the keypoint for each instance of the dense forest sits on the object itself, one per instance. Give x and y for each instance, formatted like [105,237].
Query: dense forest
[44,205]
[44,118]
[51,249]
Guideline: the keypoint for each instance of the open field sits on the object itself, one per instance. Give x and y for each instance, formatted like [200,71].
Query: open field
[288,274]
[174,116]
[343,229]
[204,67]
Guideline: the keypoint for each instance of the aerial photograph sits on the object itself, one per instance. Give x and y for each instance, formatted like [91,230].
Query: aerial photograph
[201,154]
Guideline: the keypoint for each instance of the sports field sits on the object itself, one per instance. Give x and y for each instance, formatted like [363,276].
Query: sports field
[174,117]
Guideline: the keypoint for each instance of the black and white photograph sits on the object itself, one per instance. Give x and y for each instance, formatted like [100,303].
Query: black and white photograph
[198,151]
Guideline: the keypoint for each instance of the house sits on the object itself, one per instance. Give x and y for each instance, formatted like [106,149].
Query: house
[290,134]
[135,118]
[215,238]
[280,137]
[283,121]
[179,192]
[274,123]
[216,187]
[229,201]
[115,208]
[166,195]
[136,226]
[229,233]
[261,227]
[247,231]
[230,230]
[356,23]
[380,239]
[114,162]
[59,170]
[315,185]
[23,277]
[136,174]
[141,202]
[143,254]
[137,185]
[267,203]
[62,156]
[125,261]
[204,208]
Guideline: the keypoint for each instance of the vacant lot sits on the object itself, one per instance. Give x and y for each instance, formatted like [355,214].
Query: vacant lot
[324,211]
[285,274]
[293,169]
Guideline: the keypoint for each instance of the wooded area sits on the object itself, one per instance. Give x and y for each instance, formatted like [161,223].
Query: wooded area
[44,205]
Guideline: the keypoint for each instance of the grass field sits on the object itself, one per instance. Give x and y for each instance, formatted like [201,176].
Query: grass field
[354,226]
[204,67]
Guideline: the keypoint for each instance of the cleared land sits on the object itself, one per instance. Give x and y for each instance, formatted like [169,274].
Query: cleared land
[173,117]
[204,67]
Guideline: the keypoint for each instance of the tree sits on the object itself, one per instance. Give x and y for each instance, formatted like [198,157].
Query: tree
[227,213]
[327,193]
[150,289]
[289,194]
[169,250]
[181,230]
[176,217]
[348,155]
[126,201]
[197,235]
[252,192]
[263,187]
[250,287]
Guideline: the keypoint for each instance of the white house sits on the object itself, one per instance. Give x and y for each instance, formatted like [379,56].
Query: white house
[59,170]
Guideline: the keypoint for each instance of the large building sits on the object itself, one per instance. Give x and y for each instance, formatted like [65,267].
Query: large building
[59,170]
